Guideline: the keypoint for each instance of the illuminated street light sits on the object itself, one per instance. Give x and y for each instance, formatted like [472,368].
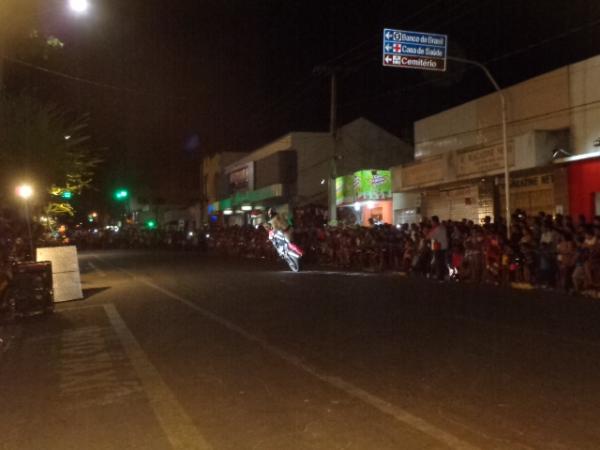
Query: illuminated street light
[25,191]
[79,6]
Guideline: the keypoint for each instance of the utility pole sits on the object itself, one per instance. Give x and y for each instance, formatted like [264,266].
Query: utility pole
[1,63]
[331,187]
[333,132]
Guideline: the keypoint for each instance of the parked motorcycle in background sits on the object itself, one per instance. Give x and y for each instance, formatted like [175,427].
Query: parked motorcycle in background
[288,251]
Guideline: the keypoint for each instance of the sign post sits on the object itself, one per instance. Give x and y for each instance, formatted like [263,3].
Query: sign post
[414,50]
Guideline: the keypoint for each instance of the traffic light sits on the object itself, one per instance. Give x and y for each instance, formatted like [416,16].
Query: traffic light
[151,224]
[67,195]
[121,194]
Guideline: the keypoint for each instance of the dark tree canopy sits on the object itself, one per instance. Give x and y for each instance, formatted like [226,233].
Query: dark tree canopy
[42,144]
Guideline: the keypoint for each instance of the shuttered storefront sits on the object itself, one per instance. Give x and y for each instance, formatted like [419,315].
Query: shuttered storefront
[532,194]
[454,204]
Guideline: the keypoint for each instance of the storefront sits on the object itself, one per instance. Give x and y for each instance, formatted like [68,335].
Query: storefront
[365,197]
[583,175]
[584,188]
[469,183]
[247,208]
[457,203]
[542,191]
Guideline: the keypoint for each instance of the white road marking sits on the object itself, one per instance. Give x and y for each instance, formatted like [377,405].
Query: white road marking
[96,269]
[175,422]
[332,272]
[378,403]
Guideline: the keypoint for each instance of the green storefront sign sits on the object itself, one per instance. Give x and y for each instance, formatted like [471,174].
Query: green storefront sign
[364,185]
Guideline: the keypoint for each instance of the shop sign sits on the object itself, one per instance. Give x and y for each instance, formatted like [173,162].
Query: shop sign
[364,185]
[472,162]
[422,172]
[533,182]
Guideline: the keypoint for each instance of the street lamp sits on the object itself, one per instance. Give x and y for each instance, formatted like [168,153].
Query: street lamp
[503,112]
[79,6]
[25,191]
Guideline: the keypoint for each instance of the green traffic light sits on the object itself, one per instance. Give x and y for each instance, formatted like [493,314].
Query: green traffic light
[67,195]
[151,224]
[121,194]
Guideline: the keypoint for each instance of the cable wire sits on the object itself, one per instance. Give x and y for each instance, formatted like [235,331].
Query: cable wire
[90,82]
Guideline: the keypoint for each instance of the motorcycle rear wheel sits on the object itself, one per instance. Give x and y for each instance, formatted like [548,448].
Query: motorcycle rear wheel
[294,263]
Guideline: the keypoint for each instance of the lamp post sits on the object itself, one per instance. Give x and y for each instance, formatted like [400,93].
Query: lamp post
[79,6]
[25,191]
[504,134]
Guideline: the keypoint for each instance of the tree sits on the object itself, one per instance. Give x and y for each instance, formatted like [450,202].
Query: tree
[44,144]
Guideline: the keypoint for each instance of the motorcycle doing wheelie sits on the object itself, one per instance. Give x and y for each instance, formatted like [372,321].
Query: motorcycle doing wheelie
[287,250]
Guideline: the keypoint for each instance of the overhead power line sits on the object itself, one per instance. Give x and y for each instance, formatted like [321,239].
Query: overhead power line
[307,80]
[91,82]
[525,49]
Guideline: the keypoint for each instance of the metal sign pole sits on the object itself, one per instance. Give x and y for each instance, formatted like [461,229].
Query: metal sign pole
[504,135]
[27,219]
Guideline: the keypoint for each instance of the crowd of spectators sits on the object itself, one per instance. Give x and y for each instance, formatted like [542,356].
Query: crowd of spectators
[542,251]
[134,237]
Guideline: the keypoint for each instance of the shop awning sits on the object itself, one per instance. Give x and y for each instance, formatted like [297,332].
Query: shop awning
[247,198]
[580,157]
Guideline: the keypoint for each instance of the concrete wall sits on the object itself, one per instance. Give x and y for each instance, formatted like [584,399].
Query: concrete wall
[277,168]
[363,145]
[584,89]
[283,143]
[314,151]
[566,98]
[360,145]
[212,173]
[541,103]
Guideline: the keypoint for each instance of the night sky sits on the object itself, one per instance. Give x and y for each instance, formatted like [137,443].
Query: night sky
[199,77]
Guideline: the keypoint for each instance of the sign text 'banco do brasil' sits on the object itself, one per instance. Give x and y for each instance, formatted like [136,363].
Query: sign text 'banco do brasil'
[414,50]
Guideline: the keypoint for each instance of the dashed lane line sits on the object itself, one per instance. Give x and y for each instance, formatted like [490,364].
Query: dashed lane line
[96,269]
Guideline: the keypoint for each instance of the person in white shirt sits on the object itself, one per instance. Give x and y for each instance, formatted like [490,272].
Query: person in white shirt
[439,244]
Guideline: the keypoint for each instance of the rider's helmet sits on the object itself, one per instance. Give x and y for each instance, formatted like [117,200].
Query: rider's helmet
[271,213]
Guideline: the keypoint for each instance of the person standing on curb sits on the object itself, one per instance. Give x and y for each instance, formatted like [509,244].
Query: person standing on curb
[439,244]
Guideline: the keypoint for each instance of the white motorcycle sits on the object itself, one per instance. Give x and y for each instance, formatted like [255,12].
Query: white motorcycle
[288,251]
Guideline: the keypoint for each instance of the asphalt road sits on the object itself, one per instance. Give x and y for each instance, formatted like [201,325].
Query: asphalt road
[184,351]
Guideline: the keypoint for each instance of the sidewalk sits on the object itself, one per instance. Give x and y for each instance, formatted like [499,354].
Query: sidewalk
[68,381]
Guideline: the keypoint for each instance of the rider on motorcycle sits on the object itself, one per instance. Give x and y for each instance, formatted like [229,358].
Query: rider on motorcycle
[279,223]
[280,234]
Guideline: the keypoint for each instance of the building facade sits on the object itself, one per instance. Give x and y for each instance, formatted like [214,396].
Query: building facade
[553,129]
[295,170]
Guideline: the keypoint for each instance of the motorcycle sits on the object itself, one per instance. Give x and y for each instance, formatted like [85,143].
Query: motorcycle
[288,251]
